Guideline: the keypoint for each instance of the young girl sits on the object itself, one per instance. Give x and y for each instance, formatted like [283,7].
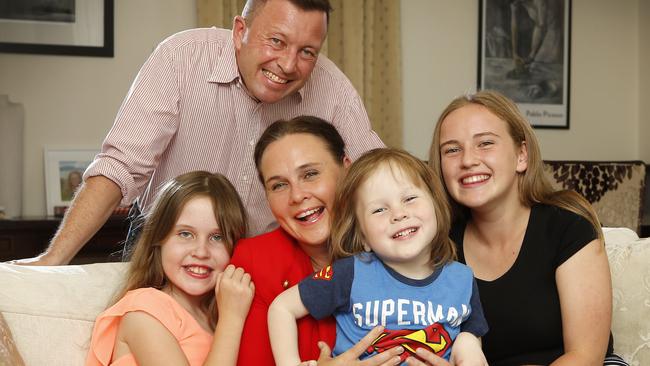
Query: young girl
[167,314]
[396,267]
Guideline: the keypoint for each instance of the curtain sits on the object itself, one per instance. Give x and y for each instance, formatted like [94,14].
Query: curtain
[218,13]
[364,41]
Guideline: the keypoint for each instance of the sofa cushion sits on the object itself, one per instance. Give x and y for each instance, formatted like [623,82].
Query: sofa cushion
[629,261]
[615,189]
[51,310]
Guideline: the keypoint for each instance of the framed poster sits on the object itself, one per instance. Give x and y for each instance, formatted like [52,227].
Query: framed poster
[524,53]
[64,169]
[57,27]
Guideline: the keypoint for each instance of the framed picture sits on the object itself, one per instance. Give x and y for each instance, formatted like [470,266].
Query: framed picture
[524,48]
[57,27]
[63,171]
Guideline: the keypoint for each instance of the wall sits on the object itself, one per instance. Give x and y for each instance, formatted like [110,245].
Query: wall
[72,101]
[440,49]
[644,77]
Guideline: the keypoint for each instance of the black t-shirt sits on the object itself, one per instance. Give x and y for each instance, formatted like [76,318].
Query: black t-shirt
[522,306]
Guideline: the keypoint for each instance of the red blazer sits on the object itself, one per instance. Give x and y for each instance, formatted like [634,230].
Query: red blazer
[275,263]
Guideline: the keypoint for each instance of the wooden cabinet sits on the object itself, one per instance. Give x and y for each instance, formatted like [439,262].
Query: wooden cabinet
[28,236]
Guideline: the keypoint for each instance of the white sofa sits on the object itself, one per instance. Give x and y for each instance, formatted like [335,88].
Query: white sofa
[50,310]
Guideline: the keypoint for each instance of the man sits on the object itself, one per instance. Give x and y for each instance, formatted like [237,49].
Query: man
[201,101]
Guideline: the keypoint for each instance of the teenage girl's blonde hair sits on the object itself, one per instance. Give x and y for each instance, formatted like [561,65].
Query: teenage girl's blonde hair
[145,269]
[346,236]
[532,184]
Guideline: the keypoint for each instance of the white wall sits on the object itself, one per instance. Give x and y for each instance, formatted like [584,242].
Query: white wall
[440,50]
[72,101]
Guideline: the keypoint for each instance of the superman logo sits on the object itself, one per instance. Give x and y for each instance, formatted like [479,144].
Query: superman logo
[433,338]
[324,274]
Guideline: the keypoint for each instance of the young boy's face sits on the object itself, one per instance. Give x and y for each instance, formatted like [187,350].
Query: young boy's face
[398,221]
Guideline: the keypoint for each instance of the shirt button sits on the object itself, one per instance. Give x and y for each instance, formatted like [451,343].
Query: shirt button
[245,178]
[251,142]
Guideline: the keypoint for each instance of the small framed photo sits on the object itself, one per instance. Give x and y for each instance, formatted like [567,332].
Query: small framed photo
[57,27]
[64,169]
[524,48]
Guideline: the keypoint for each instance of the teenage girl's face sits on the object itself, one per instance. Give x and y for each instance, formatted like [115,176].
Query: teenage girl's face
[194,252]
[479,159]
[398,221]
[300,176]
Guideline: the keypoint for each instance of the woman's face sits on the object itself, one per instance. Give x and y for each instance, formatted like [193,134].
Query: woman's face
[300,177]
[479,158]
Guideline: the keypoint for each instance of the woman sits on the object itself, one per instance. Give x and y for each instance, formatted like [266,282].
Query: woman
[299,163]
[538,255]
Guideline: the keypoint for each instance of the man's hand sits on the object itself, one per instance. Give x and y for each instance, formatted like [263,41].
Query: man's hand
[92,205]
[43,259]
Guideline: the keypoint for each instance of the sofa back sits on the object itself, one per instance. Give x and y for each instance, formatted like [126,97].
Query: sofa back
[51,310]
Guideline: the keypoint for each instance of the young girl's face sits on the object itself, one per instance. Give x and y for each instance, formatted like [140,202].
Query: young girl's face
[194,252]
[397,219]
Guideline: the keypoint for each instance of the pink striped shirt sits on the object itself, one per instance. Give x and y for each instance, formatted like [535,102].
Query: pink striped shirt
[187,110]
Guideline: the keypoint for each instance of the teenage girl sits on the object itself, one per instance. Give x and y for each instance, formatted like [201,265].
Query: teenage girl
[395,268]
[537,253]
[179,282]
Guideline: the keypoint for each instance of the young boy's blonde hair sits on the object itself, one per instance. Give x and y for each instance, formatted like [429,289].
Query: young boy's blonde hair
[346,236]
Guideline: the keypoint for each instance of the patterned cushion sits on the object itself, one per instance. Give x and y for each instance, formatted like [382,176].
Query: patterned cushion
[615,189]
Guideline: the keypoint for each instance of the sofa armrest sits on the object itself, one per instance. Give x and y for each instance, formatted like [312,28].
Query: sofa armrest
[629,261]
[51,310]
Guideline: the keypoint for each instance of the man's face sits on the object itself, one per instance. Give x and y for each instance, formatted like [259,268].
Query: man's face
[277,51]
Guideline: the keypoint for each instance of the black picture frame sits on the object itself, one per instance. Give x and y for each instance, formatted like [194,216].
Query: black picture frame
[102,47]
[525,53]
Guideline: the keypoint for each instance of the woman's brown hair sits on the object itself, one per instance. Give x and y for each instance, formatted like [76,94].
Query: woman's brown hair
[145,269]
[533,186]
[346,236]
[309,125]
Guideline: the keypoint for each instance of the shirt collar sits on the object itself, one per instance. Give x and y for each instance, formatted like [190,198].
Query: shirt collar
[225,68]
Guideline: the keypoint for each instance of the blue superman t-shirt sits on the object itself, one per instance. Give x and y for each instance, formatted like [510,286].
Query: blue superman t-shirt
[362,292]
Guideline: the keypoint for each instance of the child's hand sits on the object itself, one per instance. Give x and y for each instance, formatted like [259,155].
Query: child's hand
[467,350]
[428,359]
[234,292]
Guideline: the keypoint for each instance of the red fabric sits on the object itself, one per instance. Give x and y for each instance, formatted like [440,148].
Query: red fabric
[271,259]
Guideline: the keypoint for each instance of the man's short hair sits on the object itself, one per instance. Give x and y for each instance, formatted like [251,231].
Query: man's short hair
[252,6]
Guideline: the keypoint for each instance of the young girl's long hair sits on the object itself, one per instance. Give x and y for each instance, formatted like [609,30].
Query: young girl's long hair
[145,268]
[532,184]
[346,236]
